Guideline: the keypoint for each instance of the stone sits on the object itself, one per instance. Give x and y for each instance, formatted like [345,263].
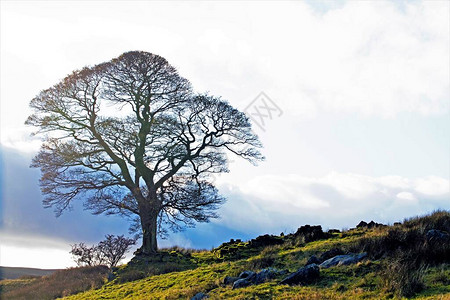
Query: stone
[247,278]
[303,275]
[311,233]
[361,224]
[313,260]
[229,280]
[266,240]
[371,224]
[199,296]
[330,253]
[437,236]
[264,275]
[241,283]
[342,260]
[246,274]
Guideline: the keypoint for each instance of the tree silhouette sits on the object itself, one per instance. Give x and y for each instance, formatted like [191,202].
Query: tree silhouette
[108,252]
[130,137]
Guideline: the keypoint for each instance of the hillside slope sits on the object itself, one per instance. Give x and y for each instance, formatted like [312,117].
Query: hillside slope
[409,260]
[13,272]
[402,261]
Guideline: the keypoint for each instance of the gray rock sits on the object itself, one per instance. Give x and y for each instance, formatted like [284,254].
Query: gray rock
[246,274]
[330,253]
[264,275]
[247,278]
[340,260]
[303,275]
[199,296]
[313,260]
[437,236]
[229,280]
[241,283]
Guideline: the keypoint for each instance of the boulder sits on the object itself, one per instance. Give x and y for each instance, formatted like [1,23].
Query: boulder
[246,274]
[313,260]
[247,278]
[241,283]
[265,274]
[371,224]
[311,233]
[199,296]
[330,253]
[342,260]
[303,275]
[230,280]
[266,240]
[437,236]
[361,224]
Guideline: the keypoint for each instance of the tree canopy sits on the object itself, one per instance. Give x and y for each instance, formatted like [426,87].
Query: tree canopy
[130,137]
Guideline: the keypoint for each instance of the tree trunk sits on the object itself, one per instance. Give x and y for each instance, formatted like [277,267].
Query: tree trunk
[149,223]
[149,208]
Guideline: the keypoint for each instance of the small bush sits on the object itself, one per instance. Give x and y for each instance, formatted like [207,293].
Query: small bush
[407,252]
[108,252]
[403,277]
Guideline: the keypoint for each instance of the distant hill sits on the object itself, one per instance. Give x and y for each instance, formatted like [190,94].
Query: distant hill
[14,273]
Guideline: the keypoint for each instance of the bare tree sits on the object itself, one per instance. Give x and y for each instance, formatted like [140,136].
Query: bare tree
[108,252]
[84,255]
[130,137]
[113,248]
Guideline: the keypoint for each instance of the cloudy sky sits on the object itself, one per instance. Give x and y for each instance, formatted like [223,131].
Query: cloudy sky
[360,127]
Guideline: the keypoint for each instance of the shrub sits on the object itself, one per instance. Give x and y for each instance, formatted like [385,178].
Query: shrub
[408,252]
[403,275]
[113,248]
[410,236]
[108,252]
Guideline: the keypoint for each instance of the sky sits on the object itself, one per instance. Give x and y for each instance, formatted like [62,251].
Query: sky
[356,121]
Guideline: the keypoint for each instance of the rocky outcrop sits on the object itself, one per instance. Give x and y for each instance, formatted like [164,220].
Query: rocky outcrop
[311,233]
[303,275]
[371,224]
[266,240]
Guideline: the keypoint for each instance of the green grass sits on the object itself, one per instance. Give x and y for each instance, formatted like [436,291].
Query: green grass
[182,274]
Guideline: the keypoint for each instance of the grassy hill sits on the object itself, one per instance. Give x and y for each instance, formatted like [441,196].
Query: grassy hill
[408,260]
[14,273]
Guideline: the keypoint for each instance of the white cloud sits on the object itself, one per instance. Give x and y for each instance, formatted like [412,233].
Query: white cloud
[407,196]
[271,203]
[365,57]
[34,251]
[432,186]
